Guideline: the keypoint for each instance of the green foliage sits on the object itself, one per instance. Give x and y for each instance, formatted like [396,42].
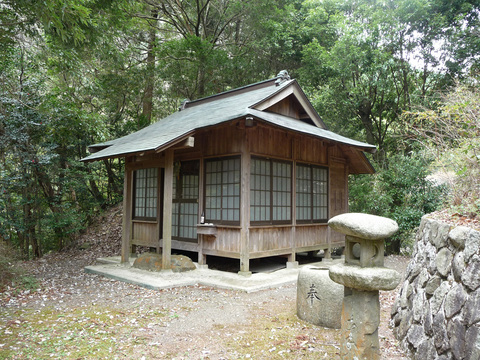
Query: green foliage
[375,60]
[463,166]
[11,275]
[400,192]
[44,130]
[196,60]
[78,72]
[451,134]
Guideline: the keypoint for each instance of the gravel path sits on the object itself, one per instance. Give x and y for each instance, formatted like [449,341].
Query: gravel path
[126,321]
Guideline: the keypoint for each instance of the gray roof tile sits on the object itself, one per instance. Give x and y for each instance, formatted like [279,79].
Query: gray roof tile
[212,111]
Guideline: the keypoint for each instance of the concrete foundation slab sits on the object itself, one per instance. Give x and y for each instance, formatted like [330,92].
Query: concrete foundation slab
[112,268]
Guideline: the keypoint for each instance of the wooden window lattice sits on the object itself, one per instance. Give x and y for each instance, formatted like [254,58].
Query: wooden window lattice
[311,194]
[146,193]
[185,201]
[270,191]
[222,191]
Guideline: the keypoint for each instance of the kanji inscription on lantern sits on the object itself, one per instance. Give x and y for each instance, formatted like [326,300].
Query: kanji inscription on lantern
[312,294]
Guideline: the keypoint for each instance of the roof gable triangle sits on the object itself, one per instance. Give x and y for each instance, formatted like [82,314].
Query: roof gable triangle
[291,101]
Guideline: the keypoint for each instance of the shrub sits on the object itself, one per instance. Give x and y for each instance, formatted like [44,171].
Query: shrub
[451,134]
[11,275]
[400,191]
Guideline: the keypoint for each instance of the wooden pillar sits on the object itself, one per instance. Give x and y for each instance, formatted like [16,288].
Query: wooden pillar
[292,258]
[328,251]
[330,202]
[347,171]
[245,208]
[127,213]
[167,210]
[202,258]
[159,228]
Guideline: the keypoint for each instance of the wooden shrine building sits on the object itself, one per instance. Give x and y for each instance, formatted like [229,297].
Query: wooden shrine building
[257,161]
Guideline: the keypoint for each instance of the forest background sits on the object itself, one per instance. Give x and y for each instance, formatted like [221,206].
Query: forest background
[403,75]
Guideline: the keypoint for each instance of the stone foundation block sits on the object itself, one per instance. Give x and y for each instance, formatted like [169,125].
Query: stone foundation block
[153,262]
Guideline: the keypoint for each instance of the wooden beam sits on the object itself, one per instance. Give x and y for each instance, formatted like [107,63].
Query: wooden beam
[146,164]
[275,99]
[174,143]
[183,245]
[294,89]
[127,215]
[187,143]
[167,210]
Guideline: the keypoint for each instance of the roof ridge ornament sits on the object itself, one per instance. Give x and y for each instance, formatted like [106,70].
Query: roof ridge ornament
[183,105]
[282,76]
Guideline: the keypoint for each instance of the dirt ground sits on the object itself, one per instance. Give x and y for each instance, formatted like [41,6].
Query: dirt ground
[75,315]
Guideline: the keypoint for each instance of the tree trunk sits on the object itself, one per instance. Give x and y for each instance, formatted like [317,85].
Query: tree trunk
[424,80]
[201,79]
[95,191]
[404,67]
[114,186]
[36,249]
[365,114]
[51,194]
[21,243]
[28,233]
[147,103]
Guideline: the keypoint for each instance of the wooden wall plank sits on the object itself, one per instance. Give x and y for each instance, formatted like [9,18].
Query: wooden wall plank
[262,140]
[145,233]
[270,239]
[227,239]
[338,189]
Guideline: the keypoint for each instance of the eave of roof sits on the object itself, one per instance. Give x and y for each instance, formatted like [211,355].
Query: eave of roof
[179,123]
[302,127]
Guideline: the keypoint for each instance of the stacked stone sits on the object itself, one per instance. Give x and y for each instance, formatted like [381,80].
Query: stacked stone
[437,312]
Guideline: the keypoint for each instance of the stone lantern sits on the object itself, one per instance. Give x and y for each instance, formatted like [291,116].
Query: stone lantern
[363,274]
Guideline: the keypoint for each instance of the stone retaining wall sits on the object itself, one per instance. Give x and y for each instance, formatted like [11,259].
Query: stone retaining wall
[437,312]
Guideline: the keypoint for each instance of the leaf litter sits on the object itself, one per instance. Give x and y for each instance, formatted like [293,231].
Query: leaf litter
[75,315]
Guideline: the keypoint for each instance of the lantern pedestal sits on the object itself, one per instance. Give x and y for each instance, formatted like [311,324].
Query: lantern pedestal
[363,275]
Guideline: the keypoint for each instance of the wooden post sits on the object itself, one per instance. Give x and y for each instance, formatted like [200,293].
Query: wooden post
[330,201]
[245,208]
[159,213]
[347,171]
[127,213]
[292,257]
[328,251]
[167,210]
[202,258]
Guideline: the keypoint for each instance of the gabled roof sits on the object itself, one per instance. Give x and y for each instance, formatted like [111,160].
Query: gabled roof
[256,100]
